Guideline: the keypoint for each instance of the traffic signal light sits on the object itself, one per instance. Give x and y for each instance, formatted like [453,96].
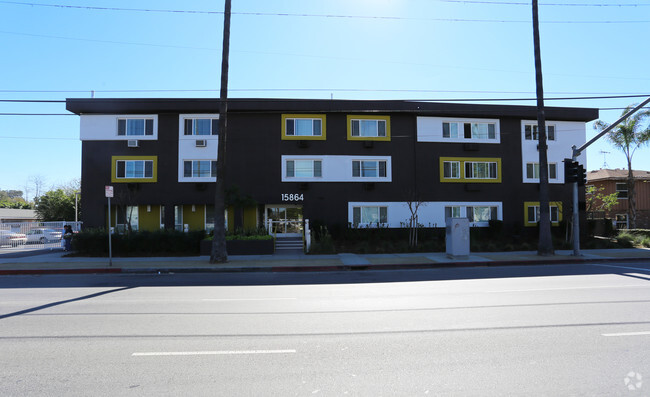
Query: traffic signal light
[570,171]
[582,175]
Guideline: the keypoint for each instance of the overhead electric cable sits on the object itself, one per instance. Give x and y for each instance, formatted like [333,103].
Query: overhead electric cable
[287,14]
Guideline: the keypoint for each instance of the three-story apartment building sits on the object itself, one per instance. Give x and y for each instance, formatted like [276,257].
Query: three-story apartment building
[339,162]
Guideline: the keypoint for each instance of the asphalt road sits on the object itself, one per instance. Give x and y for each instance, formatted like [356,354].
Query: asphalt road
[530,330]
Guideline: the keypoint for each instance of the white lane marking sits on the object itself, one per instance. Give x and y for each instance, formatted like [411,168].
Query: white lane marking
[624,267]
[247,299]
[214,353]
[569,288]
[629,333]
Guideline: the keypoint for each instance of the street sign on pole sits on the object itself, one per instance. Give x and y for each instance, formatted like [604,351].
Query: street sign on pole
[108,191]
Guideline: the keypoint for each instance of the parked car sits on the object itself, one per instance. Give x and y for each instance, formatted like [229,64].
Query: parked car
[13,239]
[43,235]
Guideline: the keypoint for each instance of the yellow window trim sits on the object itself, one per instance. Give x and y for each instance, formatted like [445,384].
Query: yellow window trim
[528,204]
[368,138]
[462,161]
[320,117]
[115,179]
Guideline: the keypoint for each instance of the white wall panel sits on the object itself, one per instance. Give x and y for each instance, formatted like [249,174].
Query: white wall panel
[104,128]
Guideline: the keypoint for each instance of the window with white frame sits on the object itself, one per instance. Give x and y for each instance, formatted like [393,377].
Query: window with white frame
[134,169]
[481,213]
[134,126]
[369,168]
[472,130]
[621,189]
[533,214]
[531,132]
[532,170]
[451,169]
[452,212]
[369,215]
[368,128]
[200,168]
[303,127]
[480,170]
[304,168]
[201,126]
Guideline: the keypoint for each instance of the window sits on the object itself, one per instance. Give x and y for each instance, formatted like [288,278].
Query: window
[134,169]
[621,221]
[452,212]
[480,170]
[369,169]
[304,169]
[127,219]
[198,126]
[481,213]
[474,130]
[531,132]
[470,169]
[200,169]
[533,214]
[304,127]
[369,128]
[369,215]
[135,127]
[451,169]
[450,130]
[621,189]
[532,170]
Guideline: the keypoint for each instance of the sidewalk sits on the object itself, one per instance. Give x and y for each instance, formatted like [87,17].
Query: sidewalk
[53,262]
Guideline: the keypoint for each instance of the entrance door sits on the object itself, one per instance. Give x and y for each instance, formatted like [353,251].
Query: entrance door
[286,220]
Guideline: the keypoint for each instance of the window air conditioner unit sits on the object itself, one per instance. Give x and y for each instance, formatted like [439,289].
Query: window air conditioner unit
[133,143]
[201,143]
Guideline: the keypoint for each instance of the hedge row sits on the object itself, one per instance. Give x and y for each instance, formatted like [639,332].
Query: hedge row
[157,243]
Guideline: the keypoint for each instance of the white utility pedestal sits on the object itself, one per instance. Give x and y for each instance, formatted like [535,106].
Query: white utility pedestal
[457,238]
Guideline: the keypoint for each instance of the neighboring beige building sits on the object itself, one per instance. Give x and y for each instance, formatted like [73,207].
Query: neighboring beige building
[11,215]
[615,180]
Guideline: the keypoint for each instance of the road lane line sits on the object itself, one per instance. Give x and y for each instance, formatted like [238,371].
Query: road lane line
[629,333]
[247,299]
[624,267]
[214,353]
[568,288]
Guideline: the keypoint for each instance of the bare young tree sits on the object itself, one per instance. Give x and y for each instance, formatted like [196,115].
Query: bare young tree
[37,182]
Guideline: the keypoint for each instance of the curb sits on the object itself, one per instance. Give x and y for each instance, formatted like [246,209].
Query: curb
[304,269]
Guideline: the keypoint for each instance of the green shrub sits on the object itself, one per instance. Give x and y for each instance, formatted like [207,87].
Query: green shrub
[94,242]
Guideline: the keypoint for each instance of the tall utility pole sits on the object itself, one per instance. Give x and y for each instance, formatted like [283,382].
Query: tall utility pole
[219,253]
[545,247]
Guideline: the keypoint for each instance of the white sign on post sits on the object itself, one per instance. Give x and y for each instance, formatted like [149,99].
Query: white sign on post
[109,191]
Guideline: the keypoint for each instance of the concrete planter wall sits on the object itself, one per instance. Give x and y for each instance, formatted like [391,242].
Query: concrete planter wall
[242,247]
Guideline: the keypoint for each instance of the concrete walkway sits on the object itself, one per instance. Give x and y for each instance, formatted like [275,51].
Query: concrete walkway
[53,262]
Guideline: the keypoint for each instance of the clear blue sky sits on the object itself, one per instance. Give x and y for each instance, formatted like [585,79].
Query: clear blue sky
[351,49]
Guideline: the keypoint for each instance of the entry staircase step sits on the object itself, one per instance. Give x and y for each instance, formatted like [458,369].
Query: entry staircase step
[288,243]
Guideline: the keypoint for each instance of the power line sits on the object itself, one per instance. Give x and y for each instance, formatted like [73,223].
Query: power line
[543,4]
[338,16]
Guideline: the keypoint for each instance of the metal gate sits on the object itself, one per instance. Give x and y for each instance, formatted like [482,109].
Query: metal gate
[17,236]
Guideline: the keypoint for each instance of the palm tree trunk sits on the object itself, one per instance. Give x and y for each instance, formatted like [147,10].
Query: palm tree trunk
[631,197]
[545,247]
[218,253]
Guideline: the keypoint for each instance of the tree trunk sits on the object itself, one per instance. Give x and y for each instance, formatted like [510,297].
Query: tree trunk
[545,247]
[218,253]
[631,197]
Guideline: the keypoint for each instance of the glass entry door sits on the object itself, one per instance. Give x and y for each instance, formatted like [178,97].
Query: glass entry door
[285,221]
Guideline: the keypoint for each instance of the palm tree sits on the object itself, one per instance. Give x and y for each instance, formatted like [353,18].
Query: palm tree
[628,136]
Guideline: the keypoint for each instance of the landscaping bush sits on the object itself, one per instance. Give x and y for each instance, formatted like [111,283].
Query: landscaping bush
[94,242]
